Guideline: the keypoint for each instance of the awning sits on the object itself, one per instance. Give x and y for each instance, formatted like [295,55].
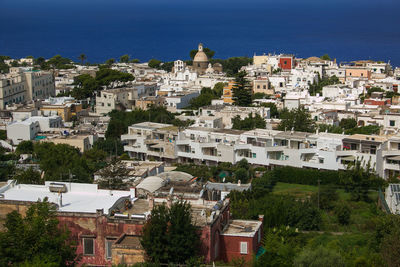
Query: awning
[349,158]
[397,158]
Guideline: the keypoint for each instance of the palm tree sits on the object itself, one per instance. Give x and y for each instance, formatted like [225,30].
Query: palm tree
[82,58]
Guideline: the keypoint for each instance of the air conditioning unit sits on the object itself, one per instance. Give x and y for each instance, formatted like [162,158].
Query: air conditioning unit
[58,188]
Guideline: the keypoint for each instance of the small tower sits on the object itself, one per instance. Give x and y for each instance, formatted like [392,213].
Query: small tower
[200,47]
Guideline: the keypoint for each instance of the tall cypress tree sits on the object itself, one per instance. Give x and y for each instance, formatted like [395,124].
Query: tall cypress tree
[242,90]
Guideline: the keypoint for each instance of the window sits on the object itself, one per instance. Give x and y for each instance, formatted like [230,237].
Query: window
[264,87]
[243,247]
[88,246]
[321,161]
[258,87]
[259,235]
[392,123]
[109,242]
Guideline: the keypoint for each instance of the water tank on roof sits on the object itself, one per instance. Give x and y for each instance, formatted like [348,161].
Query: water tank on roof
[58,188]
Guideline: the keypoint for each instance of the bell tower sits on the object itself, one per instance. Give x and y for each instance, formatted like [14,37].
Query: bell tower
[200,47]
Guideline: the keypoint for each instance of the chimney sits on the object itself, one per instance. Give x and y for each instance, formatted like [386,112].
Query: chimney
[151,202]
[99,212]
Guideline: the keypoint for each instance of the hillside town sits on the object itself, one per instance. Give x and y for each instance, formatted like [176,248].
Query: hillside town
[108,143]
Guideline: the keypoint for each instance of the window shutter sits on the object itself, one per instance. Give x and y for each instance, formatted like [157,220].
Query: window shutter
[243,247]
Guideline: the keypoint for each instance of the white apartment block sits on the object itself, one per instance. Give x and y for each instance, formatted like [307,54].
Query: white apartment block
[108,100]
[148,140]
[263,147]
[25,85]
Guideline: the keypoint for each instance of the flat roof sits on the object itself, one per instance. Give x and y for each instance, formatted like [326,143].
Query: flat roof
[150,125]
[245,228]
[78,198]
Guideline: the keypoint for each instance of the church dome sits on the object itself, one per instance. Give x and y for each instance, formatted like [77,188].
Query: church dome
[200,55]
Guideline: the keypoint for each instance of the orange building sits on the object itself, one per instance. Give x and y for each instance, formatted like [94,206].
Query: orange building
[228,93]
[358,73]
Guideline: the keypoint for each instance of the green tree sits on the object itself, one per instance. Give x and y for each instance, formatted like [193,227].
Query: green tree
[110,146]
[82,58]
[329,128]
[272,108]
[56,62]
[249,123]
[242,90]
[387,236]
[110,61]
[343,213]
[204,99]
[219,89]
[348,123]
[321,257]
[167,66]
[107,76]
[39,61]
[36,238]
[317,87]
[374,89]
[242,175]
[154,63]
[25,147]
[280,246]
[29,176]
[4,68]
[95,158]
[112,176]
[326,57]
[124,58]
[61,162]
[359,180]
[3,134]
[85,86]
[120,120]
[327,197]
[368,130]
[169,235]
[135,60]
[14,63]
[232,65]
[298,119]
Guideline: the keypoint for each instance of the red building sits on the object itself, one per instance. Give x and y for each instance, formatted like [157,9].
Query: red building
[377,102]
[110,234]
[286,62]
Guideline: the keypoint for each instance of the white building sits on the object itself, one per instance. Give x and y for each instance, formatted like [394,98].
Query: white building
[22,85]
[22,131]
[25,130]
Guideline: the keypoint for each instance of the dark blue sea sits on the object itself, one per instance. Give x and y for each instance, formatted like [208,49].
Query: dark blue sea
[168,29]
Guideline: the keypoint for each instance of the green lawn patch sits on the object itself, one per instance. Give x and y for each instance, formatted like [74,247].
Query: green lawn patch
[296,190]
